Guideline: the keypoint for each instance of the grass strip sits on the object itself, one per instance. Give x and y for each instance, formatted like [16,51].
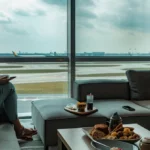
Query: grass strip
[32,71]
[136,69]
[11,66]
[42,88]
[54,87]
[92,65]
[101,75]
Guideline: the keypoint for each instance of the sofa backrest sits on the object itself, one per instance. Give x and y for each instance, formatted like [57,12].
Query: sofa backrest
[101,89]
[139,82]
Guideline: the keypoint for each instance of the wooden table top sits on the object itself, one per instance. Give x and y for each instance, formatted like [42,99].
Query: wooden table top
[75,138]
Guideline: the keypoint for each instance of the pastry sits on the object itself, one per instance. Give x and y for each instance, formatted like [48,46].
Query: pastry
[110,137]
[114,134]
[102,127]
[123,137]
[126,130]
[81,106]
[119,127]
[96,134]
[131,129]
[100,131]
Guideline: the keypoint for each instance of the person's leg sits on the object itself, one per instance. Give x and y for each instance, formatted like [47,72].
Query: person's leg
[8,99]
[3,117]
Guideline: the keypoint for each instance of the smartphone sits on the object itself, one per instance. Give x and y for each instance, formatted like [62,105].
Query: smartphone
[10,78]
[128,108]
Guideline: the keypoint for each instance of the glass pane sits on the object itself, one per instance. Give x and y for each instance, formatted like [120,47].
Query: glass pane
[37,81]
[36,28]
[108,28]
[32,27]
[107,70]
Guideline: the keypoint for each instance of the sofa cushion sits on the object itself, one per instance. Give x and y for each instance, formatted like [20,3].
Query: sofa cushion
[8,140]
[110,106]
[139,82]
[143,103]
[101,89]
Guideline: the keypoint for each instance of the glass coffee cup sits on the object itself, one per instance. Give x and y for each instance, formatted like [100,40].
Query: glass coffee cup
[89,100]
[145,143]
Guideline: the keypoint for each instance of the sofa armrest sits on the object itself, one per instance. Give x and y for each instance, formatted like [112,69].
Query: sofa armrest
[101,89]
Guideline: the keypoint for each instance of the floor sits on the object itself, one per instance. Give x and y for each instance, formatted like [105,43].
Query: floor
[36,144]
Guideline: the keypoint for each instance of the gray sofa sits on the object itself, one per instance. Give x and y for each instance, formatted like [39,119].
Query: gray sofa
[118,95]
[109,97]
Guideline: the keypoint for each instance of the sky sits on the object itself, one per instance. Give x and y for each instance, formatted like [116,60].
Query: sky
[111,26]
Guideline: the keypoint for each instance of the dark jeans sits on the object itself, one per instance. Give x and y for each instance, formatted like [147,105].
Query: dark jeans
[8,102]
[4,118]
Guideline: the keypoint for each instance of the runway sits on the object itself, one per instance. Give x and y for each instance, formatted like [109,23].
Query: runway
[119,67]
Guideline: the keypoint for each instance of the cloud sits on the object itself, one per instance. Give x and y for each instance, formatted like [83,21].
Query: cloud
[40,12]
[85,13]
[30,12]
[84,3]
[84,24]
[64,2]
[15,30]
[4,18]
[126,15]
[22,12]
[136,17]
[134,3]
[134,20]
[56,2]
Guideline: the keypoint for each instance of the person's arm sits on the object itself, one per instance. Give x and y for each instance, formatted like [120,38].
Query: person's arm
[4,76]
[4,81]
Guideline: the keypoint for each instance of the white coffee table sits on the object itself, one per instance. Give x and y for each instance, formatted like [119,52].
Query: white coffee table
[75,138]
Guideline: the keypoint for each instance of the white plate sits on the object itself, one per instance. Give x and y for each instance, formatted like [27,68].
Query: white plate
[114,143]
[87,130]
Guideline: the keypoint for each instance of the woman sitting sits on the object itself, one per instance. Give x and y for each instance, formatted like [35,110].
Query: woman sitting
[8,110]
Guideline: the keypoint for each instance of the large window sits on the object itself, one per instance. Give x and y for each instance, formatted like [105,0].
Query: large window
[40,37]
[111,30]
[108,28]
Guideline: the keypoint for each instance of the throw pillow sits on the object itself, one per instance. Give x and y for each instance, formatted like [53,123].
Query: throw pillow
[139,82]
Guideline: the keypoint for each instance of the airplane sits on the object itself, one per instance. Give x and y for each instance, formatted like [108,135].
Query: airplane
[24,55]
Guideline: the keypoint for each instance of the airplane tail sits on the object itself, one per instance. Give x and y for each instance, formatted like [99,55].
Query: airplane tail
[15,54]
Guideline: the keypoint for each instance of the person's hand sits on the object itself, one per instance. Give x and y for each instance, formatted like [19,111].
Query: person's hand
[4,81]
